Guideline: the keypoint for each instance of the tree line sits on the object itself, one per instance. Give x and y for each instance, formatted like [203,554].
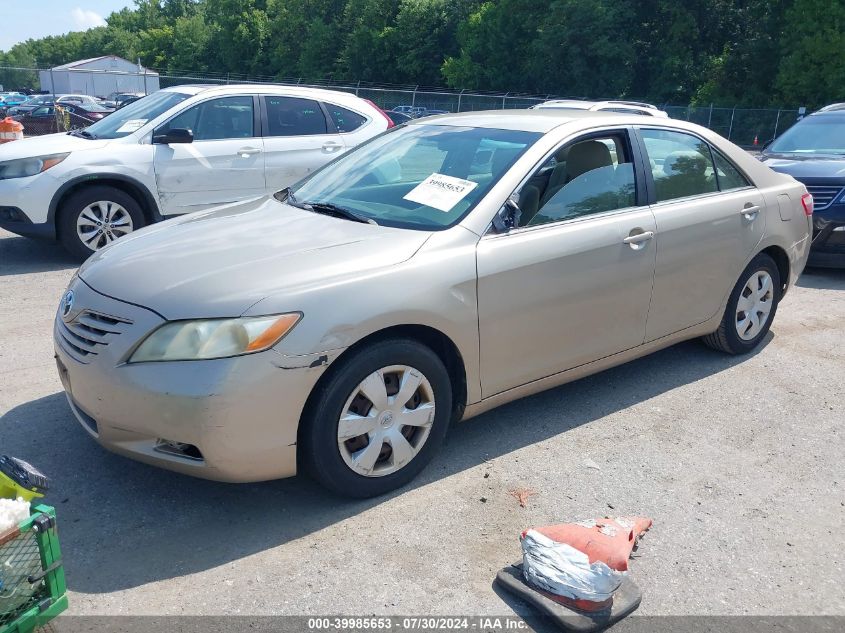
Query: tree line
[745,52]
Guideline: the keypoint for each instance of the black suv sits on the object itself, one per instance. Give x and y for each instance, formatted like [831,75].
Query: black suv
[813,151]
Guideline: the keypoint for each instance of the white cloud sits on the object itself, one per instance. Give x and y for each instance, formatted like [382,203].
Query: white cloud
[83,19]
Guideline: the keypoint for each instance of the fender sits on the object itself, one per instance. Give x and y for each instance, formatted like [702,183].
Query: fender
[149,202]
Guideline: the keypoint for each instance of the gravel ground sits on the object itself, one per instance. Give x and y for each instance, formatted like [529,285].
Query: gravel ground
[739,461]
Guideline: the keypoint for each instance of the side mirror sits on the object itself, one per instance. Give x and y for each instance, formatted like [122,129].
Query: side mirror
[508,216]
[176,135]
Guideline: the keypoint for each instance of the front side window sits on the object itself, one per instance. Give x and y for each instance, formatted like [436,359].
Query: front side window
[292,116]
[681,164]
[345,120]
[425,177]
[591,176]
[215,119]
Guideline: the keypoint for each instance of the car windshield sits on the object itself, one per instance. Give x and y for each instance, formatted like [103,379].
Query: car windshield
[814,135]
[425,177]
[134,116]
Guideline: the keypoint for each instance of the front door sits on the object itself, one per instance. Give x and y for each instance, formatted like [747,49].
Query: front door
[709,222]
[225,162]
[573,283]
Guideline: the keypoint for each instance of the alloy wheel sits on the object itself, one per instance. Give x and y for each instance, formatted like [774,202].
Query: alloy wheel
[386,421]
[100,223]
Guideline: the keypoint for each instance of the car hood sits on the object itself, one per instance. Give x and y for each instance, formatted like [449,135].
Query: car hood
[808,168]
[218,263]
[47,144]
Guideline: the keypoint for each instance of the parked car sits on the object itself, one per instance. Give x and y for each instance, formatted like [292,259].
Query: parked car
[83,115]
[80,100]
[624,107]
[398,118]
[813,152]
[32,103]
[127,101]
[118,99]
[179,150]
[412,111]
[41,120]
[10,100]
[338,327]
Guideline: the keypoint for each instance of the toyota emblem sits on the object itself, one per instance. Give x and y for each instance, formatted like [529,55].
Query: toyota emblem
[67,303]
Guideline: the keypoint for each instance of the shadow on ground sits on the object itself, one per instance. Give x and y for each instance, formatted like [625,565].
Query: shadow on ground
[20,255]
[125,524]
[823,279]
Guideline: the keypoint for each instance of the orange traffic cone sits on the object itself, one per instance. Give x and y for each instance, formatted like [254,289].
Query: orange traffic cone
[756,141]
[10,130]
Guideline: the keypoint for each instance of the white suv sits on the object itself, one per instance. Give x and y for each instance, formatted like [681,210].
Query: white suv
[178,150]
[623,107]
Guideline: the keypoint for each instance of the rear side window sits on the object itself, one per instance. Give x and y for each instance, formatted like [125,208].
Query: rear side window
[345,120]
[728,175]
[681,164]
[292,116]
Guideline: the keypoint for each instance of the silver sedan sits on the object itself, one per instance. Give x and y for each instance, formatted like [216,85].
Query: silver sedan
[444,268]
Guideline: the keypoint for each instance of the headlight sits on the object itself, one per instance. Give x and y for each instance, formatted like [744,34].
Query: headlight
[214,338]
[29,166]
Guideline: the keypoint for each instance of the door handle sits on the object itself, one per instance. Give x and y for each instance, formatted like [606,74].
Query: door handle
[331,146]
[750,211]
[638,238]
[244,152]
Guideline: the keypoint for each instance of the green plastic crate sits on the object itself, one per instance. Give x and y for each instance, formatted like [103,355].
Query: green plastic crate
[32,580]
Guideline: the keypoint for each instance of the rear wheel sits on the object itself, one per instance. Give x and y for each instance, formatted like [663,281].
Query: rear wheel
[751,308]
[378,420]
[94,217]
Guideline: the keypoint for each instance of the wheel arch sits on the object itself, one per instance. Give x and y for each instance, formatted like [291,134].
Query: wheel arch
[781,259]
[129,185]
[434,339]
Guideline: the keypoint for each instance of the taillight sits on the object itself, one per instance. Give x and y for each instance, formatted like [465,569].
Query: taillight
[390,122]
[807,203]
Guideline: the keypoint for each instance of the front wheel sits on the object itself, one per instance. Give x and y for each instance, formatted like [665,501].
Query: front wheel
[378,420]
[751,308]
[94,217]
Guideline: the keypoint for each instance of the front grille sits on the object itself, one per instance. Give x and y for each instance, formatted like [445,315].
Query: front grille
[823,195]
[88,333]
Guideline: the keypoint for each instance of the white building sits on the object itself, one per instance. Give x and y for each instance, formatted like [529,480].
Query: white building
[98,77]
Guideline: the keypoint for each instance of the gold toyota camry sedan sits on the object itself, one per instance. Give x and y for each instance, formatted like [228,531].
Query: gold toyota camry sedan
[441,269]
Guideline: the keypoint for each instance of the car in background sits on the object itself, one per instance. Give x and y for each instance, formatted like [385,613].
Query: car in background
[41,120]
[10,100]
[80,100]
[340,326]
[83,115]
[813,152]
[179,150]
[399,117]
[30,104]
[127,101]
[412,111]
[624,107]
[118,99]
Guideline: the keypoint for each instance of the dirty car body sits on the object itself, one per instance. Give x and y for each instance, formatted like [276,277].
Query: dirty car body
[563,243]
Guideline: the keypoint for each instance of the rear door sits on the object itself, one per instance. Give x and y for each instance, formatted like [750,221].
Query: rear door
[225,163]
[298,138]
[709,221]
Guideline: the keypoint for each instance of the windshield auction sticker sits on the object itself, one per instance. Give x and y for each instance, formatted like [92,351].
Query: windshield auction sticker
[131,125]
[441,192]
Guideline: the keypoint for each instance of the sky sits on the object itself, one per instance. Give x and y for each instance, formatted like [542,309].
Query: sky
[23,20]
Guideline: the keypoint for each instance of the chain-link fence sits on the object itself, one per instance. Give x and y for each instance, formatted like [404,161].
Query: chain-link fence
[747,127]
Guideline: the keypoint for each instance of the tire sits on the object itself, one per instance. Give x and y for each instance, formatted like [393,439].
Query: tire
[736,335]
[98,203]
[331,460]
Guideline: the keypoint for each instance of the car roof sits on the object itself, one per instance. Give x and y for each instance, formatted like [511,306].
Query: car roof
[316,93]
[526,120]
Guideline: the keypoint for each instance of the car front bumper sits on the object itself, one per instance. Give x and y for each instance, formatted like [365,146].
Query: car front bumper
[828,247]
[25,204]
[240,414]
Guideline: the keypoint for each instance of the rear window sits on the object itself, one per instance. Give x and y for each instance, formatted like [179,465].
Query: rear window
[345,120]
